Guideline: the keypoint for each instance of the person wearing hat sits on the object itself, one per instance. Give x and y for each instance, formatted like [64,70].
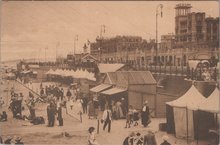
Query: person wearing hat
[107,118]
[92,137]
[59,114]
[129,140]
[96,106]
[165,140]
[8,140]
[3,117]
[145,114]
[139,140]
[68,94]
[149,138]
[124,106]
[18,141]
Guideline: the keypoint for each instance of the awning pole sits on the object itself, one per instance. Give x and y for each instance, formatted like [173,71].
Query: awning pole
[198,128]
[187,125]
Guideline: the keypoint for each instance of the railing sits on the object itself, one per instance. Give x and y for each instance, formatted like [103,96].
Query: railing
[199,74]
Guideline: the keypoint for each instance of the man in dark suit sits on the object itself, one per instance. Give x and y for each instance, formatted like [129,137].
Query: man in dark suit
[51,112]
[59,115]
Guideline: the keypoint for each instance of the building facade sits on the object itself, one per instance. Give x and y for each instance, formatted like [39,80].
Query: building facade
[196,37]
[123,49]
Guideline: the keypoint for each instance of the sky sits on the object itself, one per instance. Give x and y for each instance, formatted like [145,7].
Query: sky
[35,29]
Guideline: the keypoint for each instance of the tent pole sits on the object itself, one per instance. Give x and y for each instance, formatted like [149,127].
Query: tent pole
[187,126]
[198,128]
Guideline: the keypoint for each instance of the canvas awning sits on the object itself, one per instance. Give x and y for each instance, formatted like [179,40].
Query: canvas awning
[113,91]
[100,88]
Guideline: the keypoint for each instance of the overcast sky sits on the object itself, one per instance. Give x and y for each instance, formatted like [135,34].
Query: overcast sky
[28,27]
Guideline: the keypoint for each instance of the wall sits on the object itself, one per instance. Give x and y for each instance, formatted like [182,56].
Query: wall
[137,94]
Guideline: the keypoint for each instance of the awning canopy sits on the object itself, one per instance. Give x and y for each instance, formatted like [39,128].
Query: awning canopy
[113,91]
[100,88]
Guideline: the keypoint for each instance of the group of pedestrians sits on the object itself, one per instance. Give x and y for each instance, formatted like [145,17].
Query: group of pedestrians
[118,108]
[53,91]
[53,110]
[147,139]
[16,104]
[132,117]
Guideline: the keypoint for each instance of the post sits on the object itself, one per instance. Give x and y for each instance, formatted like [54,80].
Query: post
[182,70]
[45,56]
[160,69]
[215,74]
[197,141]
[161,6]
[165,69]
[98,127]
[187,128]
[170,70]
[80,116]
[176,71]
[75,39]
[200,73]
[7,100]
[192,72]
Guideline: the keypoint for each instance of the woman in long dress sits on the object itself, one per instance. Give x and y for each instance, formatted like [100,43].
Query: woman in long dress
[145,114]
[119,113]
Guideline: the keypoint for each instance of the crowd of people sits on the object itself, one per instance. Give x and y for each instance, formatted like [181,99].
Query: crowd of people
[132,139]
[147,139]
[57,99]
[11,140]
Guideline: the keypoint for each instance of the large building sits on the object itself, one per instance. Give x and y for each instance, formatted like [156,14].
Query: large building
[194,27]
[196,37]
[122,49]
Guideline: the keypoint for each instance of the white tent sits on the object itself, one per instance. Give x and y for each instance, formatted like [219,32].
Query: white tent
[68,73]
[183,118]
[50,72]
[211,104]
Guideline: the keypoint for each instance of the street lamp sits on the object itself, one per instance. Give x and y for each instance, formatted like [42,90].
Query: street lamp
[75,39]
[157,13]
[45,55]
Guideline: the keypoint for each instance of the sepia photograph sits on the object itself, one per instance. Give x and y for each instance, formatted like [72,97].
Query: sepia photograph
[109,72]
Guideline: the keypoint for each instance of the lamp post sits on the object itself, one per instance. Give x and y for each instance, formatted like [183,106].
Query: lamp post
[45,55]
[157,13]
[75,39]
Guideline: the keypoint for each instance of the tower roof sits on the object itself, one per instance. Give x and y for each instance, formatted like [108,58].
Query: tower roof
[183,6]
